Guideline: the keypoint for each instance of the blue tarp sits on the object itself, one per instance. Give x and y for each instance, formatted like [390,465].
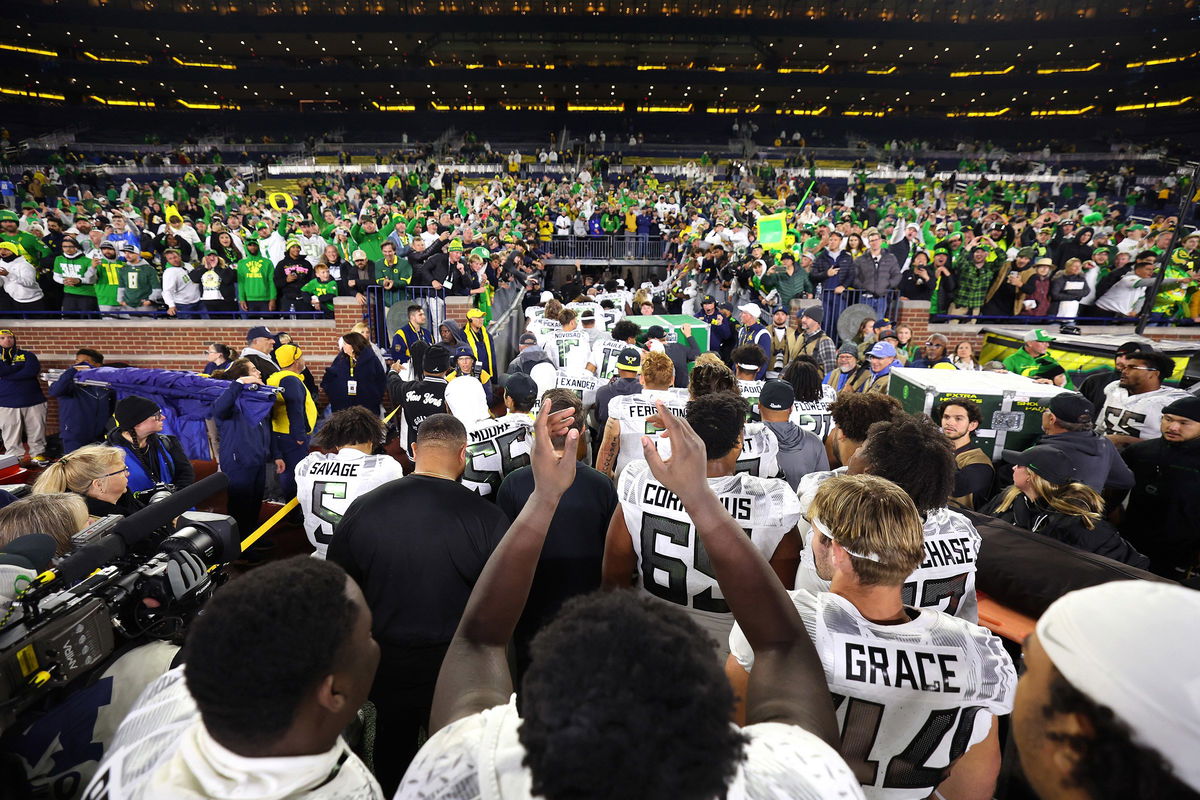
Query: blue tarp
[185,398]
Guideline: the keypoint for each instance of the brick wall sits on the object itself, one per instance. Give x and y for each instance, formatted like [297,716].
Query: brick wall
[180,345]
[915,314]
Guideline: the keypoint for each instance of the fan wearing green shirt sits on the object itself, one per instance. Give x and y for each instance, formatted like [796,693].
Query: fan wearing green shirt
[1032,360]
[31,248]
[108,277]
[140,284]
[77,274]
[368,238]
[255,280]
[322,289]
[391,272]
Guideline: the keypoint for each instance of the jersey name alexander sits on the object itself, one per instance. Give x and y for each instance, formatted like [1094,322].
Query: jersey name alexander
[879,663]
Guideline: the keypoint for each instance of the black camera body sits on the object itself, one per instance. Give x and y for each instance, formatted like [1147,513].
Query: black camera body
[124,583]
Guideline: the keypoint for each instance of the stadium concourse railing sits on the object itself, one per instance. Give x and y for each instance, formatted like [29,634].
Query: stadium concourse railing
[158,313]
[617,247]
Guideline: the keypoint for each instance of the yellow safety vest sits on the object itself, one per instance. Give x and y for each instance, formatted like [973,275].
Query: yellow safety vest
[279,415]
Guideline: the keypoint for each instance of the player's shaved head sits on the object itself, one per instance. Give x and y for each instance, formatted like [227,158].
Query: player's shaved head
[442,430]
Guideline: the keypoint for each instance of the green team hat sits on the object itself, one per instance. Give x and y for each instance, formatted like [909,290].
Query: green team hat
[482,252]
[455,246]
[290,244]
[8,216]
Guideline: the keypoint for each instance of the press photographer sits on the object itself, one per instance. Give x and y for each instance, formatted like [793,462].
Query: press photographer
[75,654]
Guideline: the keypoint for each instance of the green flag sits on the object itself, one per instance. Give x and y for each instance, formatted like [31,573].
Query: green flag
[772,230]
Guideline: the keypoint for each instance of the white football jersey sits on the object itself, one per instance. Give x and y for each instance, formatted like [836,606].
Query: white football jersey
[540,326]
[157,753]
[814,416]
[910,698]
[631,411]
[1137,415]
[480,757]
[568,350]
[496,447]
[672,563]
[327,483]
[604,356]
[582,382]
[750,391]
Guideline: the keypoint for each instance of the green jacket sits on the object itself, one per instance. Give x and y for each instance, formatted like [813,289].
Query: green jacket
[138,282]
[255,279]
[369,243]
[108,282]
[1022,363]
[789,286]
[401,275]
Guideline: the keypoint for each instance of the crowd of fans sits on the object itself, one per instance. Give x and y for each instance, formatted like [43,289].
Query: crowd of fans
[565,576]
[208,242]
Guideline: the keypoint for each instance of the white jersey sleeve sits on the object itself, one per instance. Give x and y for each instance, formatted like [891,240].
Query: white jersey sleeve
[480,757]
[496,447]
[327,483]
[672,563]
[760,451]
[910,698]
[1137,415]
[633,412]
[750,392]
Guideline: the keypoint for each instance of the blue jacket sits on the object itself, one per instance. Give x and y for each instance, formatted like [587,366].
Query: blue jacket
[758,335]
[244,429]
[368,375]
[720,328]
[19,386]
[83,411]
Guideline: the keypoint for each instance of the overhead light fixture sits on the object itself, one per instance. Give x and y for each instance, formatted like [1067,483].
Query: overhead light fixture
[204,64]
[209,106]
[116,59]
[997,113]
[1154,62]
[1061,112]
[813,70]
[393,108]
[618,107]
[1055,70]
[26,93]
[978,72]
[733,110]
[803,112]
[665,109]
[138,103]
[887,71]
[1159,104]
[16,48]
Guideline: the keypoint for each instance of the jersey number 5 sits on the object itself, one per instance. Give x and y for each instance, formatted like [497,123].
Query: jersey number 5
[321,490]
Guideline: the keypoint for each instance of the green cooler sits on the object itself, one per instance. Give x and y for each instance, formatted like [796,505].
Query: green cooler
[672,323]
[1012,405]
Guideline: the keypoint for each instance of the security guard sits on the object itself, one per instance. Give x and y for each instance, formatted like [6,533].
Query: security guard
[720,327]
[292,418]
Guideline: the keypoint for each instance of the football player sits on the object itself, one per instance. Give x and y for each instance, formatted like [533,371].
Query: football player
[632,416]
[916,690]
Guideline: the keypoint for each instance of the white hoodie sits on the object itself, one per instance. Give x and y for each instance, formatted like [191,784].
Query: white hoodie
[21,281]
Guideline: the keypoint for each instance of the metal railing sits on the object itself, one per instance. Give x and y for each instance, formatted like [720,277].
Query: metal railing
[158,313]
[381,301]
[616,247]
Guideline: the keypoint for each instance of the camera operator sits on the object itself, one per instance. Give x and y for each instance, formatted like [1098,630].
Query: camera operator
[98,472]
[59,516]
[152,457]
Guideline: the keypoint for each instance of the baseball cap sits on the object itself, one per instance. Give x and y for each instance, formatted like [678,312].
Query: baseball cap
[1046,460]
[33,550]
[437,359]
[474,313]
[1098,639]
[777,395]
[1044,262]
[546,297]
[1072,407]
[1037,335]
[752,309]
[707,299]
[126,247]
[358,255]
[288,354]
[656,332]
[527,338]
[630,360]
[882,350]
[1129,347]
[778,310]
[521,388]
[259,332]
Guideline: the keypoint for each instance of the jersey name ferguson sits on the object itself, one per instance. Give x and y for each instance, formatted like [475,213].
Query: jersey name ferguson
[910,698]
[672,562]
[496,447]
[327,483]
[633,413]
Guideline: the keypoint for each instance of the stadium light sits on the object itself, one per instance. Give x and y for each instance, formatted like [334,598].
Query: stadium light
[115,59]
[803,112]
[813,70]
[209,106]
[138,103]
[887,71]
[393,108]
[997,113]
[205,64]
[1159,104]
[1055,70]
[665,109]
[978,72]
[16,48]
[618,107]
[38,95]
[1061,112]
[1154,62]
[733,110]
